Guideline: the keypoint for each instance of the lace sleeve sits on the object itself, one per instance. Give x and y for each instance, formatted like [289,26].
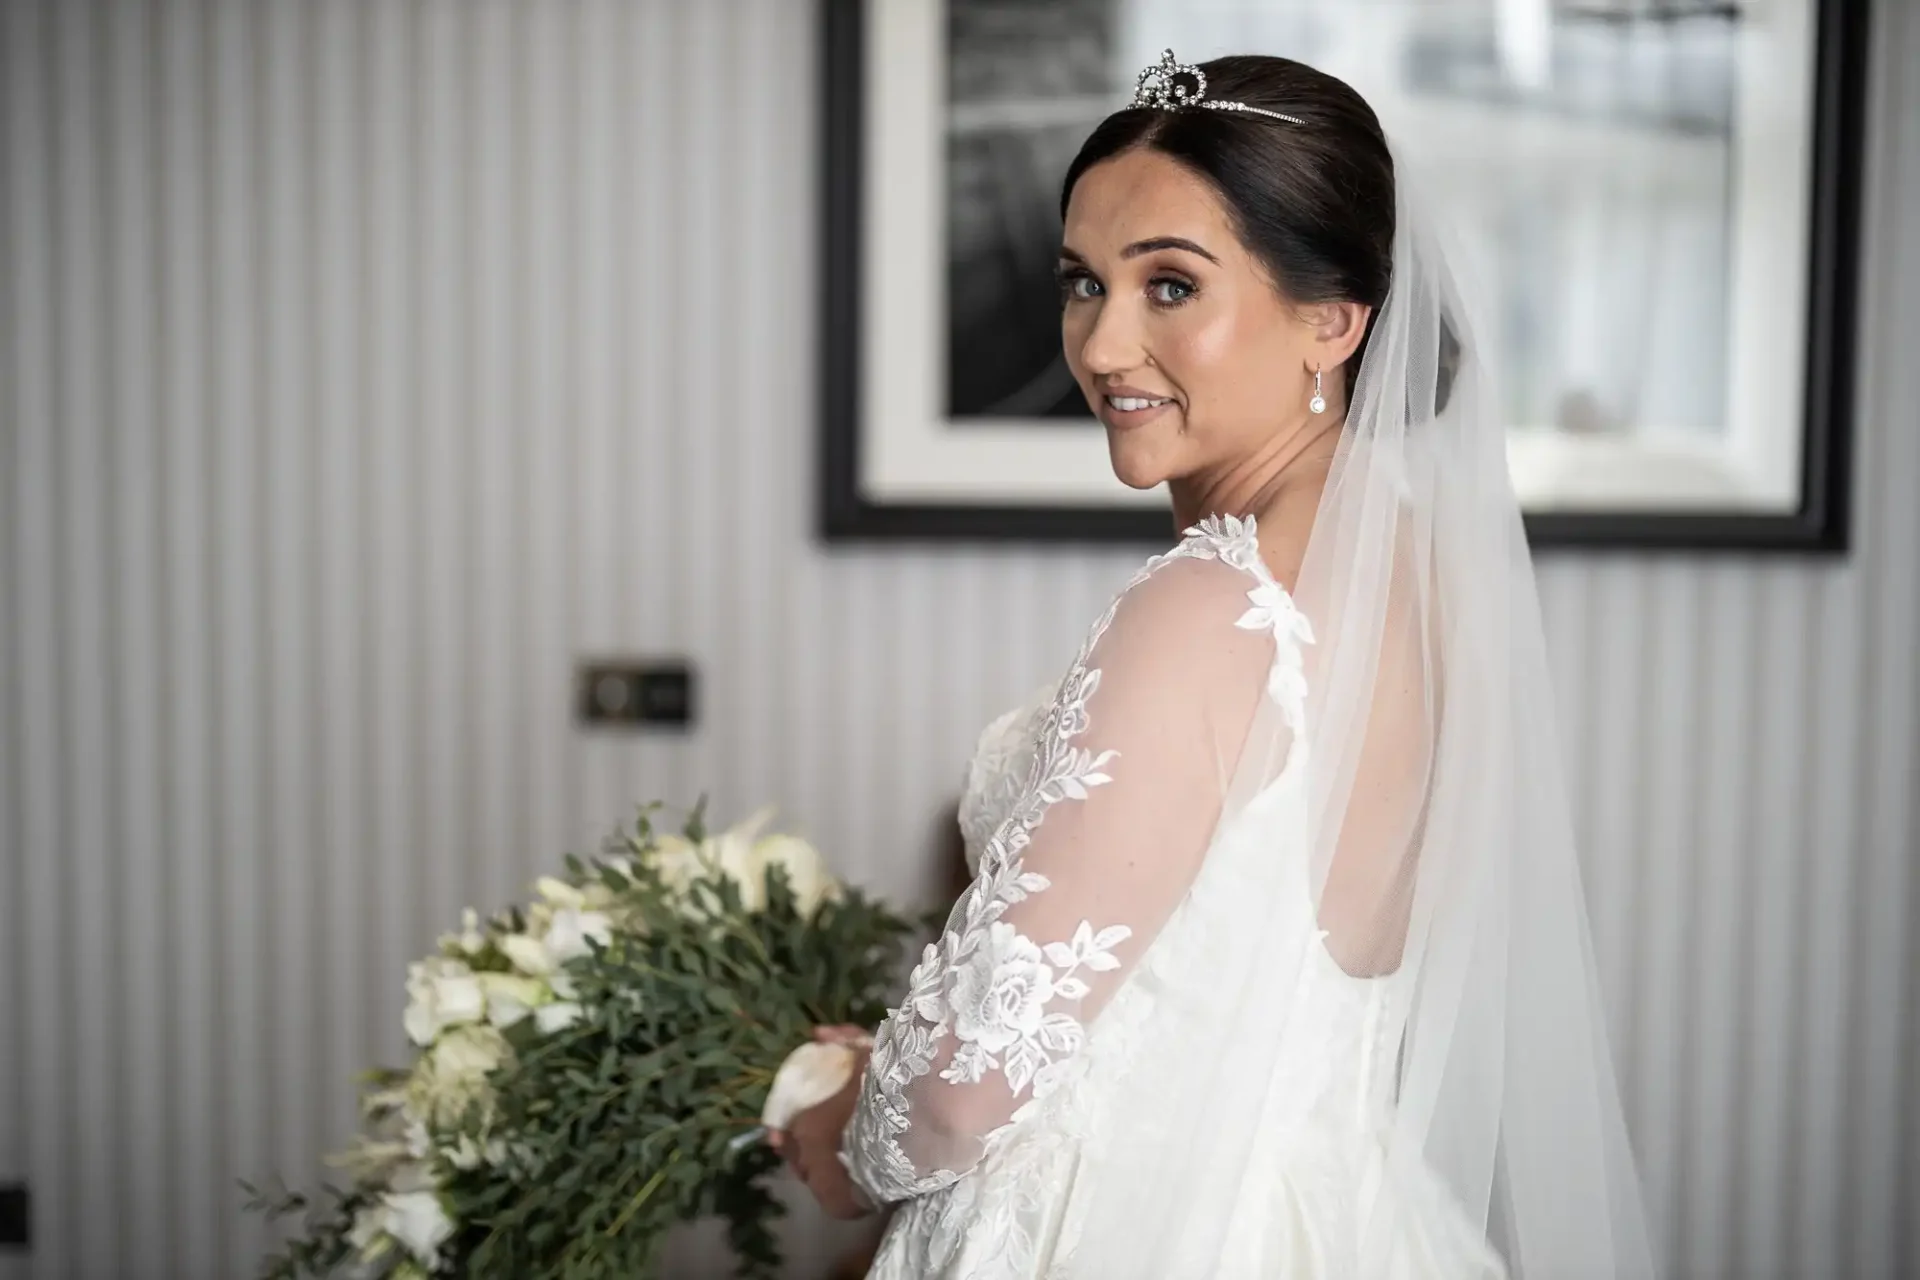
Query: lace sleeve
[1119,809]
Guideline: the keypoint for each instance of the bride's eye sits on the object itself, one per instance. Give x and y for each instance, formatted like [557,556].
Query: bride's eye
[1076,285]
[1169,291]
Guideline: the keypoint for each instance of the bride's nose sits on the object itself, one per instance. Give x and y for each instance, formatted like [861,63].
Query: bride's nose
[1113,344]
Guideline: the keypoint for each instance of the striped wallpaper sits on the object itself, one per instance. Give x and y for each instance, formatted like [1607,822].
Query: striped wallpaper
[365,364]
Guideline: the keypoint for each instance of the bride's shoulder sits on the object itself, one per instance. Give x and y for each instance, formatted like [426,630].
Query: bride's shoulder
[1216,569]
[1208,617]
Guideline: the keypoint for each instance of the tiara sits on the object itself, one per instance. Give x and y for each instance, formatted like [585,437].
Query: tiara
[1159,86]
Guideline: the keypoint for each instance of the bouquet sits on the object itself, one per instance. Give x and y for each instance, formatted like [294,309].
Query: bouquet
[592,1067]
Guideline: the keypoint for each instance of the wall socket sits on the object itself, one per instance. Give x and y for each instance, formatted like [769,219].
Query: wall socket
[635,694]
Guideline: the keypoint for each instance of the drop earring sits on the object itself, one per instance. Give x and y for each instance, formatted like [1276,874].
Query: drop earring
[1319,402]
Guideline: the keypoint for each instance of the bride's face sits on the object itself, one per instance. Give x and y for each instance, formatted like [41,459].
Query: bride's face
[1182,345]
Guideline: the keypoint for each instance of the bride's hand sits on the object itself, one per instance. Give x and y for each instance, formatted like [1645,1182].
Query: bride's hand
[811,1144]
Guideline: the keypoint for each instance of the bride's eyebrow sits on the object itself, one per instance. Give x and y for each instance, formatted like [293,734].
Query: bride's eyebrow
[1139,247]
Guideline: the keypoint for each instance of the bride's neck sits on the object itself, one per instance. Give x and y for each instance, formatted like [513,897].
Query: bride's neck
[1278,486]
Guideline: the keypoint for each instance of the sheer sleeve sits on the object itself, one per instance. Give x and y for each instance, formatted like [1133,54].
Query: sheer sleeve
[1120,806]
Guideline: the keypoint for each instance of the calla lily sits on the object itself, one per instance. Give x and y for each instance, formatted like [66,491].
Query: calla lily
[811,1074]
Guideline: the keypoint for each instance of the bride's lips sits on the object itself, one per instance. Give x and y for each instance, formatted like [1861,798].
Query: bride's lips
[1118,418]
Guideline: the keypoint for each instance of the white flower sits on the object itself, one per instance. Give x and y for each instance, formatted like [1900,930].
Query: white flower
[730,853]
[679,861]
[734,854]
[744,856]
[442,993]
[368,1236]
[558,892]
[469,1154]
[528,954]
[419,1222]
[570,930]
[595,895]
[470,1051]
[511,997]
[470,941]
[556,1016]
[1000,992]
[811,1074]
[451,1079]
[806,870]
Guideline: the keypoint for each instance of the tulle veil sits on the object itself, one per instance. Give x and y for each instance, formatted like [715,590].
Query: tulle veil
[1439,853]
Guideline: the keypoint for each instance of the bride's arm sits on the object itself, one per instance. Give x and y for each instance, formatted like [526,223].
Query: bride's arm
[1102,845]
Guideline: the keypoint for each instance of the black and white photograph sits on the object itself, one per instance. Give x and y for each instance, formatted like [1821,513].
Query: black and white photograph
[1026,83]
[1591,158]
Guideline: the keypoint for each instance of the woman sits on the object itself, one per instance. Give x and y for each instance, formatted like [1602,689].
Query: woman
[1275,962]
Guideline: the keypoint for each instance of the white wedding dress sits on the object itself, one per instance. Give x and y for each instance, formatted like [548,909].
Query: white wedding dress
[1111,860]
[1276,959]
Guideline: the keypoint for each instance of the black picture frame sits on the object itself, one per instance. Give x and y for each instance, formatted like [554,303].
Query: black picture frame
[1821,523]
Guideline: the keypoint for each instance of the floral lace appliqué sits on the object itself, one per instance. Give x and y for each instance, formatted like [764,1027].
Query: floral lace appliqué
[984,983]
[1231,540]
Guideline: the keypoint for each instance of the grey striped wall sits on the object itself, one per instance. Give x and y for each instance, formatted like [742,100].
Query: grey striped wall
[363,364]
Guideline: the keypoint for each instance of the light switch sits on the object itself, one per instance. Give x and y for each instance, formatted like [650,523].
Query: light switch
[635,694]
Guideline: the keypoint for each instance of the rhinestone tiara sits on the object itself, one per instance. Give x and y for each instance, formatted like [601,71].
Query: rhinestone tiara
[1159,86]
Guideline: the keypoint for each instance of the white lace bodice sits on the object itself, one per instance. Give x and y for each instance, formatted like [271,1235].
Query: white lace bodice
[998,770]
[1105,869]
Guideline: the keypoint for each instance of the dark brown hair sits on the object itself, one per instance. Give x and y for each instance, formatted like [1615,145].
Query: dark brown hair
[1313,202]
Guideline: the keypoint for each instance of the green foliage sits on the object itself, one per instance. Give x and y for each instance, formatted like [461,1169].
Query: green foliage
[324,1248]
[613,1130]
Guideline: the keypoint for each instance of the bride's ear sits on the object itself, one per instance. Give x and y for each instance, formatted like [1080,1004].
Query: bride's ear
[1337,330]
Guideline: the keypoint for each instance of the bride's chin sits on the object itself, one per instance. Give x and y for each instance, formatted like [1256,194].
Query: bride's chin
[1137,469]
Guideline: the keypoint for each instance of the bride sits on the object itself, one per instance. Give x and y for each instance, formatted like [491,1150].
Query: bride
[1275,962]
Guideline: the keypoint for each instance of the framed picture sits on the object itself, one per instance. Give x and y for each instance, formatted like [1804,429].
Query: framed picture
[1658,200]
